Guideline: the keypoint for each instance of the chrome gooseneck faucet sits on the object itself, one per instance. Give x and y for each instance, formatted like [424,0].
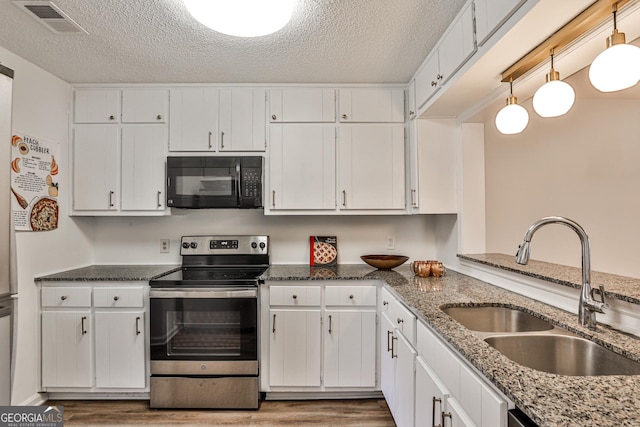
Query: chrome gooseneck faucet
[588,305]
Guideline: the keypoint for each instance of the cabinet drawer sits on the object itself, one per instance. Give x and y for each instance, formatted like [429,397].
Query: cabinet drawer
[66,296]
[405,321]
[351,295]
[294,295]
[118,297]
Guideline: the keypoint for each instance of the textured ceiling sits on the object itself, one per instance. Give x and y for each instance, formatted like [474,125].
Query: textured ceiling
[157,41]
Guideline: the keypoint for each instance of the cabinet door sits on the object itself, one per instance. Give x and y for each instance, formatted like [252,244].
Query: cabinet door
[294,348]
[455,416]
[302,167]
[96,106]
[66,349]
[193,120]
[350,348]
[491,14]
[411,100]
[458,44]
[302,105]
[143,165]
[404,382]
[387,361]
[430,396]
[428,80]
[372,167]
[145,105]
[371,105]
[436,164]
[412,162]
[242,119]
[120,346]
[95,168]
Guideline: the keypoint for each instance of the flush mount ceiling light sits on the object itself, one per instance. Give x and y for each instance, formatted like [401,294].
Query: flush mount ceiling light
[512,118]
[618,66]
[242,18]
[555,97]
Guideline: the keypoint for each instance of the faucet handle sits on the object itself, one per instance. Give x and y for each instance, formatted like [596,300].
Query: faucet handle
[601,292]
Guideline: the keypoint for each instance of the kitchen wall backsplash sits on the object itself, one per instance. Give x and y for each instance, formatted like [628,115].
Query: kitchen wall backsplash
[119,240]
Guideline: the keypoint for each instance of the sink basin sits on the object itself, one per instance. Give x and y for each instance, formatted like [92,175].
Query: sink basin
[497,319]
[563,355]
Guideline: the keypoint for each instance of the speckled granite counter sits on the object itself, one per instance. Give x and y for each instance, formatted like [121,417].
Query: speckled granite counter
[550,400]
[617,287]
[107,273]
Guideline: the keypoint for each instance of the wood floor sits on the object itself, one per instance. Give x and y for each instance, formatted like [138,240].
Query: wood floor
[343,413]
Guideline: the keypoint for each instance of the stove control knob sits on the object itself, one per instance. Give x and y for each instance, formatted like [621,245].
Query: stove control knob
[185,245]
[262,245]
[194,245]
[254,245]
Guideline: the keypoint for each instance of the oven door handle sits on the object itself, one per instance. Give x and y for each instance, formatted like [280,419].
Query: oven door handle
[203,293]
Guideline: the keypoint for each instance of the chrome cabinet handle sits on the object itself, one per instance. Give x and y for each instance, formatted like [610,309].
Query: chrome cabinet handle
[137,325]
[344,198]
[433,410]
[329,323]
[443,416]
[344,116]
[433,83]
[116,298]
[274,324]
[159,203]
[84,331]
[295,296]
[273,198]
[210,134]
[385,302]
[411,113]
[63,297]
[389,345]
[413,198]
[393,356]
[273,117]
[159,117]
[222,140]
[111,199]
[400,321]
[439,77]
[351,297]
[112,117]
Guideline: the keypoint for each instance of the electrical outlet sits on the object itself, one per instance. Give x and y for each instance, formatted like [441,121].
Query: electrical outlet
[164,246]
[391,242]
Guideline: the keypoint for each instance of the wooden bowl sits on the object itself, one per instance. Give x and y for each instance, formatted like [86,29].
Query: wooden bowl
[384,262]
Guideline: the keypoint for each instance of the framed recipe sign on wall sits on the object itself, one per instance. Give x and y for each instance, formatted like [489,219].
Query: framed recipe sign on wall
[34,183]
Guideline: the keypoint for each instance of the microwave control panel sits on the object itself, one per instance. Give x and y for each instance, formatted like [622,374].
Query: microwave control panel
[251,182]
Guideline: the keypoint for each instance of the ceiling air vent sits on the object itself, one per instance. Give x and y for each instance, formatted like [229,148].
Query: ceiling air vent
[51,16]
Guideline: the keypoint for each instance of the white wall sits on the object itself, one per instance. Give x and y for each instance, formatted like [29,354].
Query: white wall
[41,108]
[137,240]
[583,166]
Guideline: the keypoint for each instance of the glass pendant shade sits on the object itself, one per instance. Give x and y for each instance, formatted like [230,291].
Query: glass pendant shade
[242,18]
[512,118]
[554,98]
[616,68]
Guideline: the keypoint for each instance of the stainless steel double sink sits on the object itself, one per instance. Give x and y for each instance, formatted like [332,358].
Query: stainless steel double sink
[536,343]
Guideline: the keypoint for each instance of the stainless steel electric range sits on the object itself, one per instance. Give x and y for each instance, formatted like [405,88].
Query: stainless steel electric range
[204,325]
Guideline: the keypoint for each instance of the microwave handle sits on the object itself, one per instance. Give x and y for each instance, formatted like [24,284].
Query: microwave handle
[238,174]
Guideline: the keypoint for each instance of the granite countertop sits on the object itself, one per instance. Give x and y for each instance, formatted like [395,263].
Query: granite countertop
[549,399]
[617,287]
[106,273]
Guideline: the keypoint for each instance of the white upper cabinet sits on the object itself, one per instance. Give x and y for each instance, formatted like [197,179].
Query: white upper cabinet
[458,44]
[428,79]
[96,106]
[95,168]
[145,105]
[411,100]
[372,167]
[143,164]
[369,105]
[242,119]
[491,14]
[193,122]
[302,105]
[302,165]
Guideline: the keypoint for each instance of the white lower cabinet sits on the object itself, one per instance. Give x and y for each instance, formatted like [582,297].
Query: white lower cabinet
[430,397]
[93,347]
[294,347]
[322,338]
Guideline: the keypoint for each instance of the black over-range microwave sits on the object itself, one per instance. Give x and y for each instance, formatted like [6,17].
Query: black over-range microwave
[214,182]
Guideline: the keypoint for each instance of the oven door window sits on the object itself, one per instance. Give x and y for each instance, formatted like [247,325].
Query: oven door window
[204,329]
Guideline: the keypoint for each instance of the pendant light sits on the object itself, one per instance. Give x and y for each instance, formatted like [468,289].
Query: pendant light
[242,18]
[512,118]
[555,97]
[618,66]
